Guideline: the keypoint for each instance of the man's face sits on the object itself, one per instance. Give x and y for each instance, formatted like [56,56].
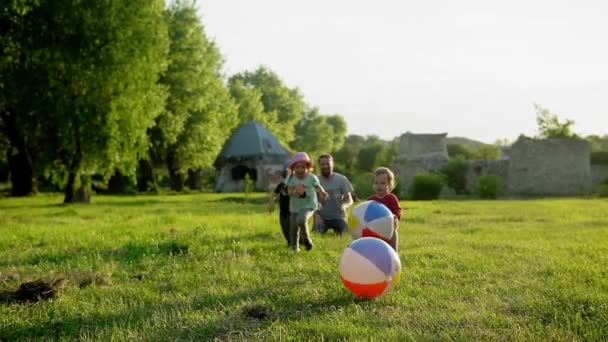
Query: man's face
[327,166]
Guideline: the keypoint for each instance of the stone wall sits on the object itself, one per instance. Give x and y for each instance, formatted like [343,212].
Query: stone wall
[549,167]
[268,176]
[407,169]
[412,146]
[419,153]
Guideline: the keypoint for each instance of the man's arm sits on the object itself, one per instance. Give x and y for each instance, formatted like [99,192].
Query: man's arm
[347,200]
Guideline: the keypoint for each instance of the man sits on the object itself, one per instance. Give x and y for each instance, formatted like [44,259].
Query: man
[332,214]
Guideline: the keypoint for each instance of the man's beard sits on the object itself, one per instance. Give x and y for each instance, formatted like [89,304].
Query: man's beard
[326,173]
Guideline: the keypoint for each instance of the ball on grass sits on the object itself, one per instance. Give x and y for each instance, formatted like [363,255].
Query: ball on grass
[373,219]
[369,268]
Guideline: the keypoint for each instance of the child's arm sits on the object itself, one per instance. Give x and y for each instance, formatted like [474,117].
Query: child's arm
[271,199]
[274,195]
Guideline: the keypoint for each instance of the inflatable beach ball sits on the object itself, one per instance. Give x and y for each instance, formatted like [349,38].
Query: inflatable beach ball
[373,219]
[370,268]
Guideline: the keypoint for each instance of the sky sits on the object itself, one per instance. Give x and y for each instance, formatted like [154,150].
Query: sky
[469,68]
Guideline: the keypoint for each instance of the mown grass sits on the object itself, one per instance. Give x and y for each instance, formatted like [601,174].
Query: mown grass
[211,266]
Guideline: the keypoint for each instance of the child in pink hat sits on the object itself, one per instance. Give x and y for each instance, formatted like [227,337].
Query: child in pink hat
[302,188]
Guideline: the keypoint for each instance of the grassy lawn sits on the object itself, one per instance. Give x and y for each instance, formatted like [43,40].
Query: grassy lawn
[210,266]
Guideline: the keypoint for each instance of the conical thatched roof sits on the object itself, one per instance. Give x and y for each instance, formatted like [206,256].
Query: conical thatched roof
[252,141]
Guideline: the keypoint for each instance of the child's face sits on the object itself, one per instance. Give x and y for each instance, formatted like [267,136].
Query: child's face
[381,185]
[300,169]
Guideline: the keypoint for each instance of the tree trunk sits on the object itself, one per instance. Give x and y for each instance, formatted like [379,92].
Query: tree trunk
[175,176]
[21,164]
[195,179]
[73,168]
[146,180]
[23,177]
[82,195]
[68,192]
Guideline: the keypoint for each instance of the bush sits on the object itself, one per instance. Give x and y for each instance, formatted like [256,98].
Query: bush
[426,186]
[488,186]
[362,183]
[599,158]
[455,171]
[602,189]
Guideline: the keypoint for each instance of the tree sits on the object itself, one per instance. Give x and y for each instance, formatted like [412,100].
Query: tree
[104,92]
[549,125]
[373,153]
[460,151]
[249,103]
[199,113]
[23,89]
[281,104]
[316,133]
[598,143]
[340,128]
[487,152]
[345,158]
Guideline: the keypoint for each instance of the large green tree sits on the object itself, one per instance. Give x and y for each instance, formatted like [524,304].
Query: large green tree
[200,112]
[24,48]
[105,61]
[317,133]
[283,106]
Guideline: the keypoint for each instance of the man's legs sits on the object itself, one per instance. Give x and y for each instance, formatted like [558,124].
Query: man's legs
[341,226]
[338,225]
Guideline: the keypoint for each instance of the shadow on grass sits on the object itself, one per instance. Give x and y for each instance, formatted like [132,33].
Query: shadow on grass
[36,206]
[241,314]
[242,200]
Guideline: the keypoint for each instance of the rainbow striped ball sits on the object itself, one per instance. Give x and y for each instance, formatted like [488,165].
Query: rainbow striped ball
[371,218]
[369,268]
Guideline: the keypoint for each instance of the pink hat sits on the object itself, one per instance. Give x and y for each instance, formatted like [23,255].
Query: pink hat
[300,157]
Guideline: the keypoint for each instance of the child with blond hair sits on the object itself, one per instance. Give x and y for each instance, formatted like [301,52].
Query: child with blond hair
[384,184]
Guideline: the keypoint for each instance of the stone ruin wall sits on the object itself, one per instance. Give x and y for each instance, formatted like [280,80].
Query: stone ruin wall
[549,167]
[419,153]
[533,167]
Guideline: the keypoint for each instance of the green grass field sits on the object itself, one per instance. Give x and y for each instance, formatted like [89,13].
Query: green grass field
[210,266]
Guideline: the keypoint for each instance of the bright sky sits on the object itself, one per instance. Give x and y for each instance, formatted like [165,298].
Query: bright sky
[470,68]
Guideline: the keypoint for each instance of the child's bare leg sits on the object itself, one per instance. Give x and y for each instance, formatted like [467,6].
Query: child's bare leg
[293,231]
[394,241]
[302,222]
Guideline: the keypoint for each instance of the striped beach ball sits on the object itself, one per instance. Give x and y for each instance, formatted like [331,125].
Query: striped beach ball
[369,267]
[371,218]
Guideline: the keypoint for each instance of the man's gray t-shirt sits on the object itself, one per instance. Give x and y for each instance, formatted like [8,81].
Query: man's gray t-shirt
[336,186]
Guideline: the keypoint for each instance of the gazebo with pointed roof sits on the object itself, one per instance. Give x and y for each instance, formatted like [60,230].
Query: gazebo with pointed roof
[252,150]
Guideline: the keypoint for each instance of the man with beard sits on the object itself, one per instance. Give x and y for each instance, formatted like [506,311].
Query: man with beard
[332,212]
